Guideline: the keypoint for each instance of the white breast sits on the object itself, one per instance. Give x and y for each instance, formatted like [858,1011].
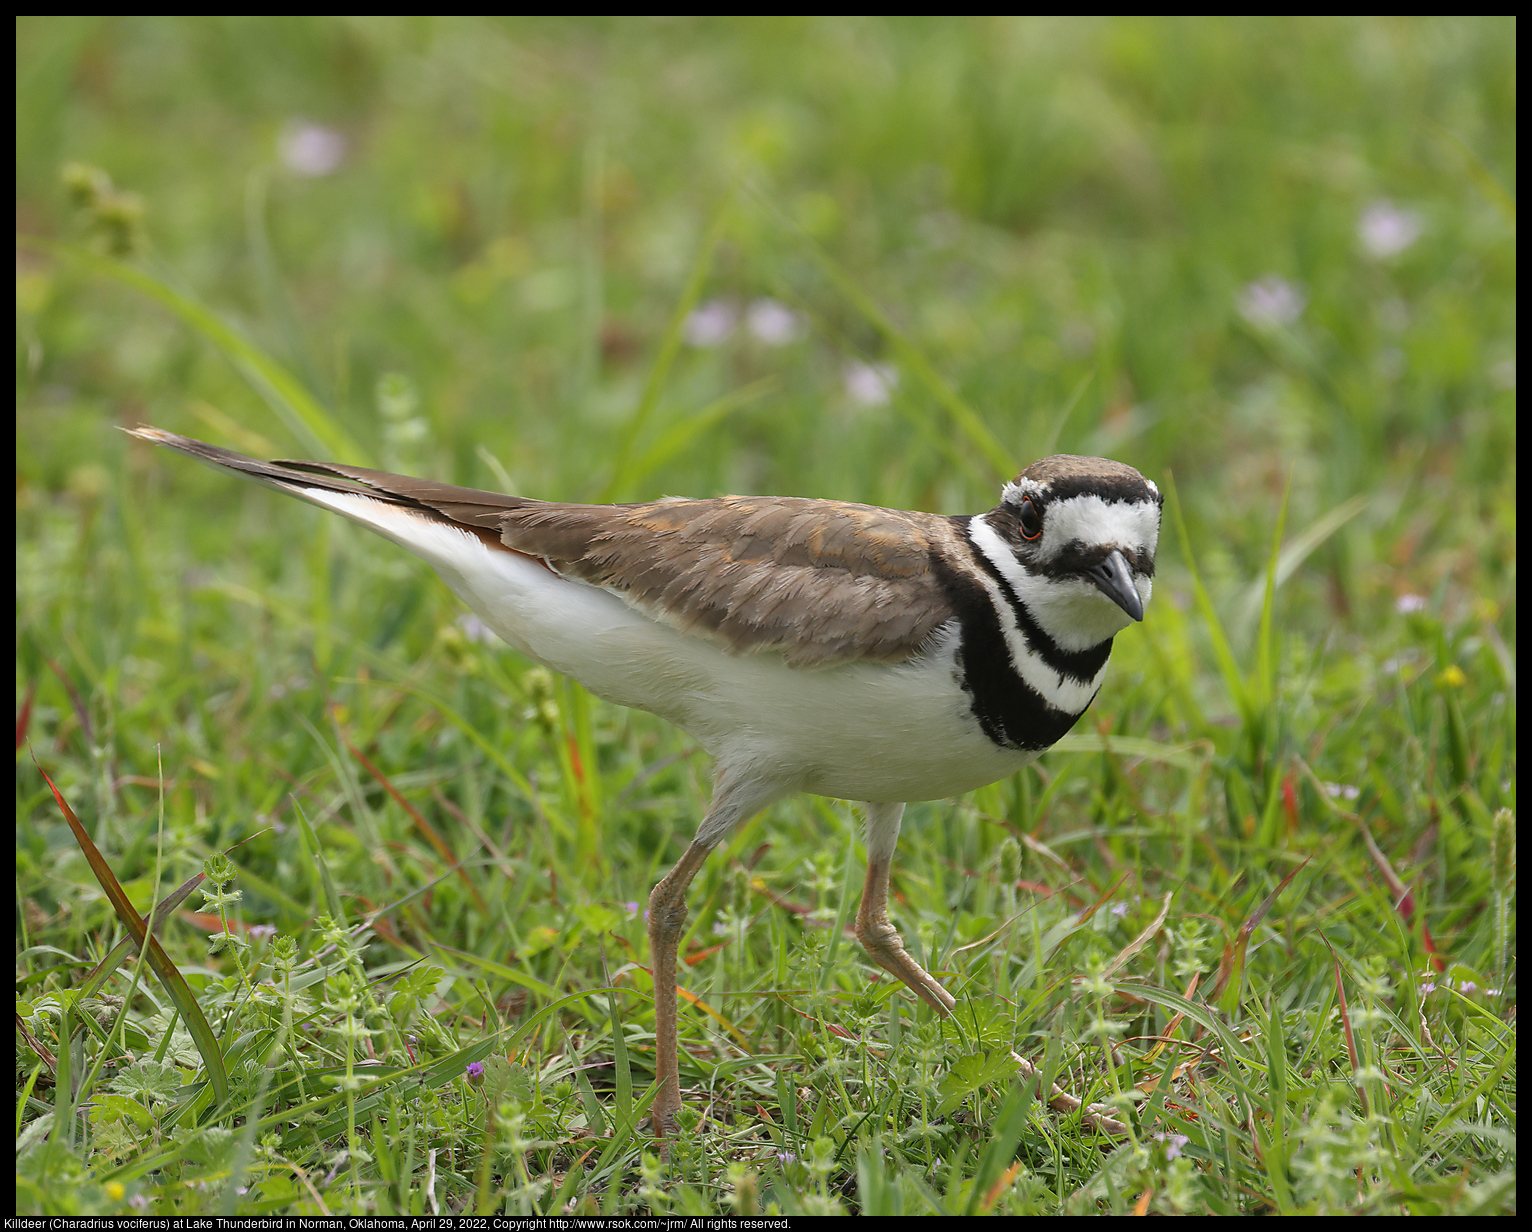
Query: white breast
[859,731]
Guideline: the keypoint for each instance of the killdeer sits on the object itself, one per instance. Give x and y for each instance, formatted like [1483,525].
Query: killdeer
[810,645]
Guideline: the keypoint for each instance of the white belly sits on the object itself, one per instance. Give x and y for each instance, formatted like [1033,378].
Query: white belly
[857,731]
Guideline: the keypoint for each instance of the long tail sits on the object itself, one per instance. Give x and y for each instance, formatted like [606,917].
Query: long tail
[467,507]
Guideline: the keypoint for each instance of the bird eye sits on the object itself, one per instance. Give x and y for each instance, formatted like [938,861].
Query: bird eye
[1030,520]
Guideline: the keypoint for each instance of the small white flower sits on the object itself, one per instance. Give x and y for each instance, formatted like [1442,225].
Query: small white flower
[712,323]
[312,150]
[870,384]
[1271,301]
[1405,604]
[1385,230]
[773,323]
[1342,791]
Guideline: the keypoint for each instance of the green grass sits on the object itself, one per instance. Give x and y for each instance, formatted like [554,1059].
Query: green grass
[1194,910]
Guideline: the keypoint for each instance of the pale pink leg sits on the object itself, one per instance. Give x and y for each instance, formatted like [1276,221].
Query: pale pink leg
[667,921]
[735,797]
[881,941]
[873,929]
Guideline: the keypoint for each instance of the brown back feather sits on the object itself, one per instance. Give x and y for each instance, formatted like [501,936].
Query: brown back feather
[820,581]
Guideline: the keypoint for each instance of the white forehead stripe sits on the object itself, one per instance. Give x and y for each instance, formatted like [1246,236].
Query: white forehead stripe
[1089,519]
[1058,690]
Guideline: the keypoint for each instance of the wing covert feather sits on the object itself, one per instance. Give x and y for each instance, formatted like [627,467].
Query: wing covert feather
[819,581]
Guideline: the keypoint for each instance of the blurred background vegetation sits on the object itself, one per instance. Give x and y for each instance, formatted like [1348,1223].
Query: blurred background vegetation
[886,260]
[506,213]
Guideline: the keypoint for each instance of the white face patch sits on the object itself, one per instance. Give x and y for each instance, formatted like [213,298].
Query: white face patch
[1090,520]
[1072,610]
[1059,691]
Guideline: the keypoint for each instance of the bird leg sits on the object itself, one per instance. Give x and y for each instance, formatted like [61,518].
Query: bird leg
[873,928]
[667,920]
[881,941]
[737,793]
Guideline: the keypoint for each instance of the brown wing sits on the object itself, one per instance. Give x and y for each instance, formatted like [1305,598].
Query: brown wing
[820,581]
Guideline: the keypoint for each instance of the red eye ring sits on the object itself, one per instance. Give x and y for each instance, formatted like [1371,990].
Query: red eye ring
[1029,520]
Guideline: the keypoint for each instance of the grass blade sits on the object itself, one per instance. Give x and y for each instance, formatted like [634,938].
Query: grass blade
[169,975]
[310,422]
